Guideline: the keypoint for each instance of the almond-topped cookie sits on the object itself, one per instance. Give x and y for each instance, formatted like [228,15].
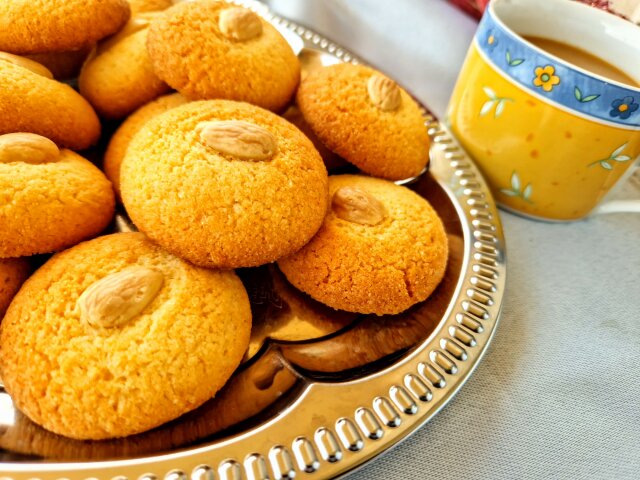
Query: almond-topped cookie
[367,119]
[224,184]
[31,101]
[381,249]
[58,25]
[211,49]
[50,199]
[116,336]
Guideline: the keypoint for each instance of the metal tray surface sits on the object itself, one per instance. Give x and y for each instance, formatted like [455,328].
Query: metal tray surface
[319,391]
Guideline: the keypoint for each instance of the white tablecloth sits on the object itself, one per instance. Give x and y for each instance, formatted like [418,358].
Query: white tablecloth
[558,394]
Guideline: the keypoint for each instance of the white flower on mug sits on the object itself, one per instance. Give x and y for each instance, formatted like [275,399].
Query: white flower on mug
[614,157]
[494,99]
[516,189]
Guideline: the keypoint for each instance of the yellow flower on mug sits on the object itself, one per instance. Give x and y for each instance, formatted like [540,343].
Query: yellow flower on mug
[545,78]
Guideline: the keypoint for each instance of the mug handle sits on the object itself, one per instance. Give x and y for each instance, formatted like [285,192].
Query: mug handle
[622,206]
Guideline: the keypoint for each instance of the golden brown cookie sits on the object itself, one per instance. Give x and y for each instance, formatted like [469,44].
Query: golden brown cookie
[212,49]
[381,249]
[30,101]
[50,199]
[63,65]
[58,25]
[118,77]
[13,271]
[133,337]
[121,138]
[367,119]
[224,184]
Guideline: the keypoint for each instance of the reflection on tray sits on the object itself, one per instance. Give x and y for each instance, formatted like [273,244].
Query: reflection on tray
[295,340]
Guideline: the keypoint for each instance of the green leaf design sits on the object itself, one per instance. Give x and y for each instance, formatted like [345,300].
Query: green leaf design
[499,109]
[490,93]
[582,99]
[577,93]
[509,192]
[528,190]
[486,108]
[515,181]
[515,62]
[618,150]
[606,165]
[622,158]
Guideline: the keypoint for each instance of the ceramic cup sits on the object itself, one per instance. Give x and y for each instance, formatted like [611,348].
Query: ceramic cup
[552,139]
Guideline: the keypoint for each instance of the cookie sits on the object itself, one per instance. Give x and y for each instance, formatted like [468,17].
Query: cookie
[13,271]
[31,101]
[381,249]
[50,199]
[120,140]
[58,25]
[133,337]
[212,49]
[224,184]
[119,77]
[63,65]
[366,119]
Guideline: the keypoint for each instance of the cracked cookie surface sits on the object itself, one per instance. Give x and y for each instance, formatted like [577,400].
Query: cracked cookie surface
[382,263]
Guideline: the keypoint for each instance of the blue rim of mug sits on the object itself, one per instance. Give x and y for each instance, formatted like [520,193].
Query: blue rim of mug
[554,80]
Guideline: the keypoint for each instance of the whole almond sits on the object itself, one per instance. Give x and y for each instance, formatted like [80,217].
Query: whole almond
[243,140]
[27,63]
[356,205]
[27,148]
[239,24]
[384,92]
[115,299]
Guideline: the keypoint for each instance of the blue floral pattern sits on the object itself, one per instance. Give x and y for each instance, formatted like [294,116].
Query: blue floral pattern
[555,79]
[623,107]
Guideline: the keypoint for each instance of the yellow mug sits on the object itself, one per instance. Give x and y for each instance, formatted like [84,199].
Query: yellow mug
[552,139]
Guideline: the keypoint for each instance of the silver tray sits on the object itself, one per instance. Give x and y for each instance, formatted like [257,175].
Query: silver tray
[322,402]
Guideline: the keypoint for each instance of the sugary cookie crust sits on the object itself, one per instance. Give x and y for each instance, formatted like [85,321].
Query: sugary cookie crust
[40,26]
[95,383]
[336,104]
[217,210]
[263,71]
[47,207]
[383,268]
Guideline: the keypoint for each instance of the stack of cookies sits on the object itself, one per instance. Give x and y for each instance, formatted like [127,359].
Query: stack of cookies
[220,161]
